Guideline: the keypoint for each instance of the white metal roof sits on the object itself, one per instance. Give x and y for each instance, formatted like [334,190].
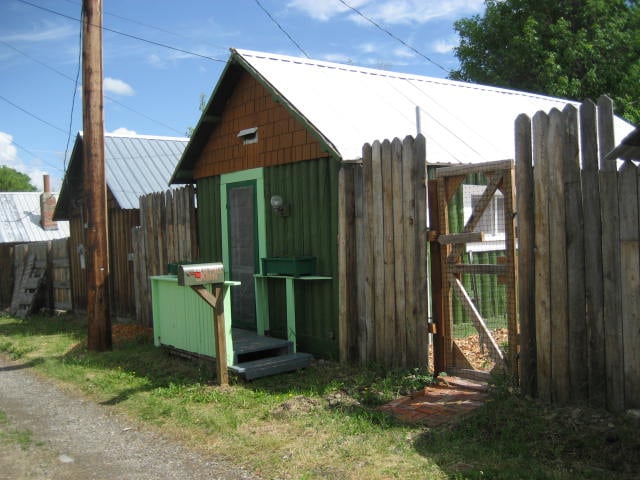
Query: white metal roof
[351,106]
[20,219]
[140,164]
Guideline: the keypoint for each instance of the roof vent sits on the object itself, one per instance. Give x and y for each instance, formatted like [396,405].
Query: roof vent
[249,135]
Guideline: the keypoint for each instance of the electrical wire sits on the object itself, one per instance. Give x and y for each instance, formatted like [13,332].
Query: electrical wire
[111,99]
[32,115]
[128,35]
[381,28]
[73,100]
[37,157]
[281,28]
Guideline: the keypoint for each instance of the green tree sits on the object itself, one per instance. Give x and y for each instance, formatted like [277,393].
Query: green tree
[14,181]
[574,49]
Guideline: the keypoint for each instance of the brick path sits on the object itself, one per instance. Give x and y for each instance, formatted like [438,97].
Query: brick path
[439,404]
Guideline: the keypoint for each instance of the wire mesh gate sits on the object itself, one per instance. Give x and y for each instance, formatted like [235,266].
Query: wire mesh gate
[473,269]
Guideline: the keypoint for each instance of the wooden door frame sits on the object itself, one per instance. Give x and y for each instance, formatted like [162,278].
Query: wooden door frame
[446,249]
[253,175]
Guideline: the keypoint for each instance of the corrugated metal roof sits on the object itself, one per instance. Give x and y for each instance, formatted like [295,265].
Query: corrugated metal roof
[350,106]
[20,219]
[138,165]
[135,165]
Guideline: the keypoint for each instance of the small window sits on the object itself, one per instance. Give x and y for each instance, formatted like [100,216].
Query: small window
[492,221]
[249,135]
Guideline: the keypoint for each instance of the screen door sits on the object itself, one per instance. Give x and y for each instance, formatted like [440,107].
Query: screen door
[242,238]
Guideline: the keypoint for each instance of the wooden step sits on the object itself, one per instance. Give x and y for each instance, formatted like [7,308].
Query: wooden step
[272,365]
[248,346]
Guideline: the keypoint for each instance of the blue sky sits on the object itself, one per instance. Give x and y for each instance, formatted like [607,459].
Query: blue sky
[154,90]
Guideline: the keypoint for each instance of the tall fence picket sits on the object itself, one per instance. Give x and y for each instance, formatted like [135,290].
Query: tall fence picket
[167,234]
[383,255]
[585,242]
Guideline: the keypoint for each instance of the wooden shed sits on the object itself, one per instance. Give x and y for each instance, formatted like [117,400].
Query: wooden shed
[26,226]
[135,165]
[267,156]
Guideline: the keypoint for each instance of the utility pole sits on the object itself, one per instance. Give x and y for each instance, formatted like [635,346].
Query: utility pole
[95,189]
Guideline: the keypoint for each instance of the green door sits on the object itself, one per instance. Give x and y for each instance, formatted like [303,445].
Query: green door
[243,251]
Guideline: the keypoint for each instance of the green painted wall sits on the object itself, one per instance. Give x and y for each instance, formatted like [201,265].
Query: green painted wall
[311,190]
[209,223]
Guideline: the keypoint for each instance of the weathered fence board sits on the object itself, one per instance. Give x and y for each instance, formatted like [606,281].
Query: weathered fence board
[574,228]
[557,261]
[630,281]
[383,240]
[526,281]
[167,234]
[586,246]
[541,255]
[593,254]
[611,268]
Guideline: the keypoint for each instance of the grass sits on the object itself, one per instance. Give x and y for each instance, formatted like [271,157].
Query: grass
[323,422]
[10,435]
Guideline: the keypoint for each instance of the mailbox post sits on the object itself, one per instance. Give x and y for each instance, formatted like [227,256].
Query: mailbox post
[197,276]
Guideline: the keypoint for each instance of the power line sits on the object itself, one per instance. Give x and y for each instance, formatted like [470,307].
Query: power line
[32,114]
[37,157]
[128,35]
[381,28]
[73,100]
[111,99]
[281,28]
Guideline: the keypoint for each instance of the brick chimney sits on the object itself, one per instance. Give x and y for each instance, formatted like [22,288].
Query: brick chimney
[47,206]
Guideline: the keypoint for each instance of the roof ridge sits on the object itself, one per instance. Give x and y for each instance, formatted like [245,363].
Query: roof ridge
[145,137]
[396,75]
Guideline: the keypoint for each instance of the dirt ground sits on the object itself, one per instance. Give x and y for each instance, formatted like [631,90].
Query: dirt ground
[46,433]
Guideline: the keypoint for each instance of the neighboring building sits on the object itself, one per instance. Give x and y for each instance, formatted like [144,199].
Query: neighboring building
[25,217]
[279,126]
[135,165]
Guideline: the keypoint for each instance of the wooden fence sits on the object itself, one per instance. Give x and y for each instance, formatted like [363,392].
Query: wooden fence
[41,277]
[167,234]
[579,262]
[383,255]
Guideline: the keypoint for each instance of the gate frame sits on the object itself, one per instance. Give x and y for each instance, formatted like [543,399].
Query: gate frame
[446,250]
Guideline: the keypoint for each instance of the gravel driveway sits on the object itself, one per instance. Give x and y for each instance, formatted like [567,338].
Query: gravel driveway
[75,439]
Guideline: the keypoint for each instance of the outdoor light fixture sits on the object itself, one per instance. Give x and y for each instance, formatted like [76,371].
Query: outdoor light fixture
[278,206]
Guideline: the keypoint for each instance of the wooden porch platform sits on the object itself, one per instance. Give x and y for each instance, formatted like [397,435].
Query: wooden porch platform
[256,356]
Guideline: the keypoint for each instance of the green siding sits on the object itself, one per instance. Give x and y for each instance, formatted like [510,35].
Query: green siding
[310,190]
[209,223]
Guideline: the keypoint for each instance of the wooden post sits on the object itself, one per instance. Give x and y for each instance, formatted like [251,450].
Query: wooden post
[526,273]
[630,280]
[541,256]
[437,305]
[578,356]
[95,191]
[216,301]
[611,268]
[592,254]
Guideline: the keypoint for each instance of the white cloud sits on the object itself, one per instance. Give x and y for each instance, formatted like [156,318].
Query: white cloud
[118,87]
[388,12]
[124,132]
[155,61]
[444,46]
[8,152]
[324,9]
[9,158]
[337,58]
[404,52]
[46,33]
